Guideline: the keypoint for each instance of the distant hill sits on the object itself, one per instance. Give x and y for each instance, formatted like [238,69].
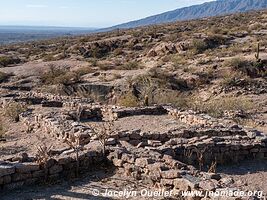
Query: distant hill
[214,8]
[14,34]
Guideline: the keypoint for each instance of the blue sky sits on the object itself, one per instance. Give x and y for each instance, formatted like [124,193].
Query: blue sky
[83,13]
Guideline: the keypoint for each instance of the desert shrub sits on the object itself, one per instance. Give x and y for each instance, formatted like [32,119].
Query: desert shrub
[3,76]
[130,66]
[60,76]
[216,107]
[199,46]
[2,130]
[84,70]
[48,57]
[105,67]
[13,110]
[118,52]
[128,100]
[163,97]
[6,60]
[236,63]
[251,69]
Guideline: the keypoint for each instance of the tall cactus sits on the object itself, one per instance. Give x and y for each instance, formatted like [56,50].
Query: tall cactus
[257,55]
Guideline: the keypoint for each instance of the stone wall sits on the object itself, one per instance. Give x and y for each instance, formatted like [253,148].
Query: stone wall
[114,113]
[15,174]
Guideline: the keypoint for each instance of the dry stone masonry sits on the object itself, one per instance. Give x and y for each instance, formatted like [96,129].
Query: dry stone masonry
[177,159]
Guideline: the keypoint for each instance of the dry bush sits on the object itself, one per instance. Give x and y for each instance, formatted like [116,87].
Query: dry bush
[13,110]
[42,157]
[105,67]
[248,68]
[7,60]
[130,66]
[237,63]
[4,77]
[128,100]
[118,52]
[74,143]
[2,129]
[85,70]
[213,41]
[216,107]
[170,97]
[199,46]
[61,76]
[103,131]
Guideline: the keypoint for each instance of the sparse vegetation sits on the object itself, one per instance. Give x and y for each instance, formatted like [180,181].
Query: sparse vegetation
[62,76]
[128,100]
[13,110]
[7,60]
[216,107]
[103,131]
[2,130]
[4,77]
[130,66]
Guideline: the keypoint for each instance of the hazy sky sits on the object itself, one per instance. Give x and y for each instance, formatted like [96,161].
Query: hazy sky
[83,13]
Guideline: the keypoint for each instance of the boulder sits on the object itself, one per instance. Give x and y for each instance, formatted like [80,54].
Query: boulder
[184,184]
[170,174]
[143,162]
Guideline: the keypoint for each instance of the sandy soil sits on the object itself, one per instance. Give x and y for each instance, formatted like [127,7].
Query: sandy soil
[249,175]
[147,123]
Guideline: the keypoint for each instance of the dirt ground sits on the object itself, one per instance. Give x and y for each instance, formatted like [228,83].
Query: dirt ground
[80,189]
[249,174]
[19,141]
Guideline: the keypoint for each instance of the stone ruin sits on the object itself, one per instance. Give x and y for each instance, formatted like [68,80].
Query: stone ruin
[176,159]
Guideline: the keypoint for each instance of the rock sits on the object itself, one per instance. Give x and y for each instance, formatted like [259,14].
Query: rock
[5,179]
[111,141]
[208,185]
[135,135]
[19,177]
[212,176]
[184,184]
[166,182]
[128,158]
[13,186]
[227,181]
[6,170]
[170,174]
[143,162]
[117,162]
[38,174]
[27,167]
[55,169]
[163,48]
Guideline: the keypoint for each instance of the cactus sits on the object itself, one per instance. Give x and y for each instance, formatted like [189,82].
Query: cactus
[257,55]
[146,100]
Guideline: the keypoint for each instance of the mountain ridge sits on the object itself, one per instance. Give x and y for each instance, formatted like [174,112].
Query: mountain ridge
[207,9]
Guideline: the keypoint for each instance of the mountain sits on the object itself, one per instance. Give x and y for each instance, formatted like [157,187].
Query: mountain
[214,8]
